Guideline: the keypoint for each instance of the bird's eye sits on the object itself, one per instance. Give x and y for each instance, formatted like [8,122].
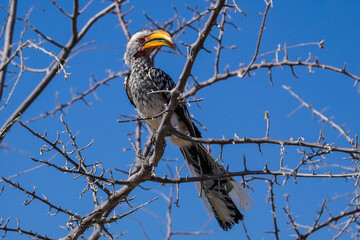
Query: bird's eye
[141,40]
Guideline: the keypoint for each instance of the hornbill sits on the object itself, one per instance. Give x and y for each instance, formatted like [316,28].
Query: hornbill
[146,88]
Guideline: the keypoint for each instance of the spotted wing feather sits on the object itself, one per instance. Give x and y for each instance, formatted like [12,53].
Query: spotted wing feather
[163,81]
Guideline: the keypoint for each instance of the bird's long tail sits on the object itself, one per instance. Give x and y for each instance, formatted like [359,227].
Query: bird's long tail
[217,194]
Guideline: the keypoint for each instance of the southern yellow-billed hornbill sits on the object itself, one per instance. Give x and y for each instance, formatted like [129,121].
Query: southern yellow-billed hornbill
[144,79]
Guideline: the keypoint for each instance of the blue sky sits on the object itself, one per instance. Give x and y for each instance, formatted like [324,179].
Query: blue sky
[232,106]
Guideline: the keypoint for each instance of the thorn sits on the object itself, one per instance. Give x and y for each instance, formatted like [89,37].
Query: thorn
[244,158]
[259,145]
[344,68]
[267,118]
[266,168]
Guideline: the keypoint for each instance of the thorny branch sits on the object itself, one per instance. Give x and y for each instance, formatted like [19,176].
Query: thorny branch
[243,73]
[4,227]
[60,107]
[246,140]
[269,65]
[42,199]
[54,146]
[353,213]
[271,199]
[320,114]
[287,173]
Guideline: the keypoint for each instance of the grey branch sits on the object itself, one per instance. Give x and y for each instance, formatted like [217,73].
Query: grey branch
[10,25]
[269,65]
[322,116]
[42,199]
[246,140]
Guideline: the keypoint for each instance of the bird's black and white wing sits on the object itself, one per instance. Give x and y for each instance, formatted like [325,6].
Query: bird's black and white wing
[127,89]
[162,81]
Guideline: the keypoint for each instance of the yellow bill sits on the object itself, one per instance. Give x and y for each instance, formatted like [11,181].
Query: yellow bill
[158,38]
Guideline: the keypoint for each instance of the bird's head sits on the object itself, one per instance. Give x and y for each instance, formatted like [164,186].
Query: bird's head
[144,42]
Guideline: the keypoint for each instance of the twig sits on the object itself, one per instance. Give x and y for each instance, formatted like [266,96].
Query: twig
[122,22]
[246,140]
[144,118]
[60,63]
[9,32]
[320,44]
[115,218]
[242,74]
[329,221]
[81,96]
[251,173]
[60,8]
[4,227]
[268,65]
[53,145]
[267,118]
[43,200]
[322,116]
[237,8]
[271,198]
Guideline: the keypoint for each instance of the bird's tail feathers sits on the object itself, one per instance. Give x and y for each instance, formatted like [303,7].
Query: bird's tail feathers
[243,200]
[217,194]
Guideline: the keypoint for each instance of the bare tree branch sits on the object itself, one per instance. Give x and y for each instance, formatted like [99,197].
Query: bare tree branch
[323,117]
[10,25]
[65,52]
[246,140]
[42,199]
[61,107]
[4,227]
[242,74]
[268,65]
